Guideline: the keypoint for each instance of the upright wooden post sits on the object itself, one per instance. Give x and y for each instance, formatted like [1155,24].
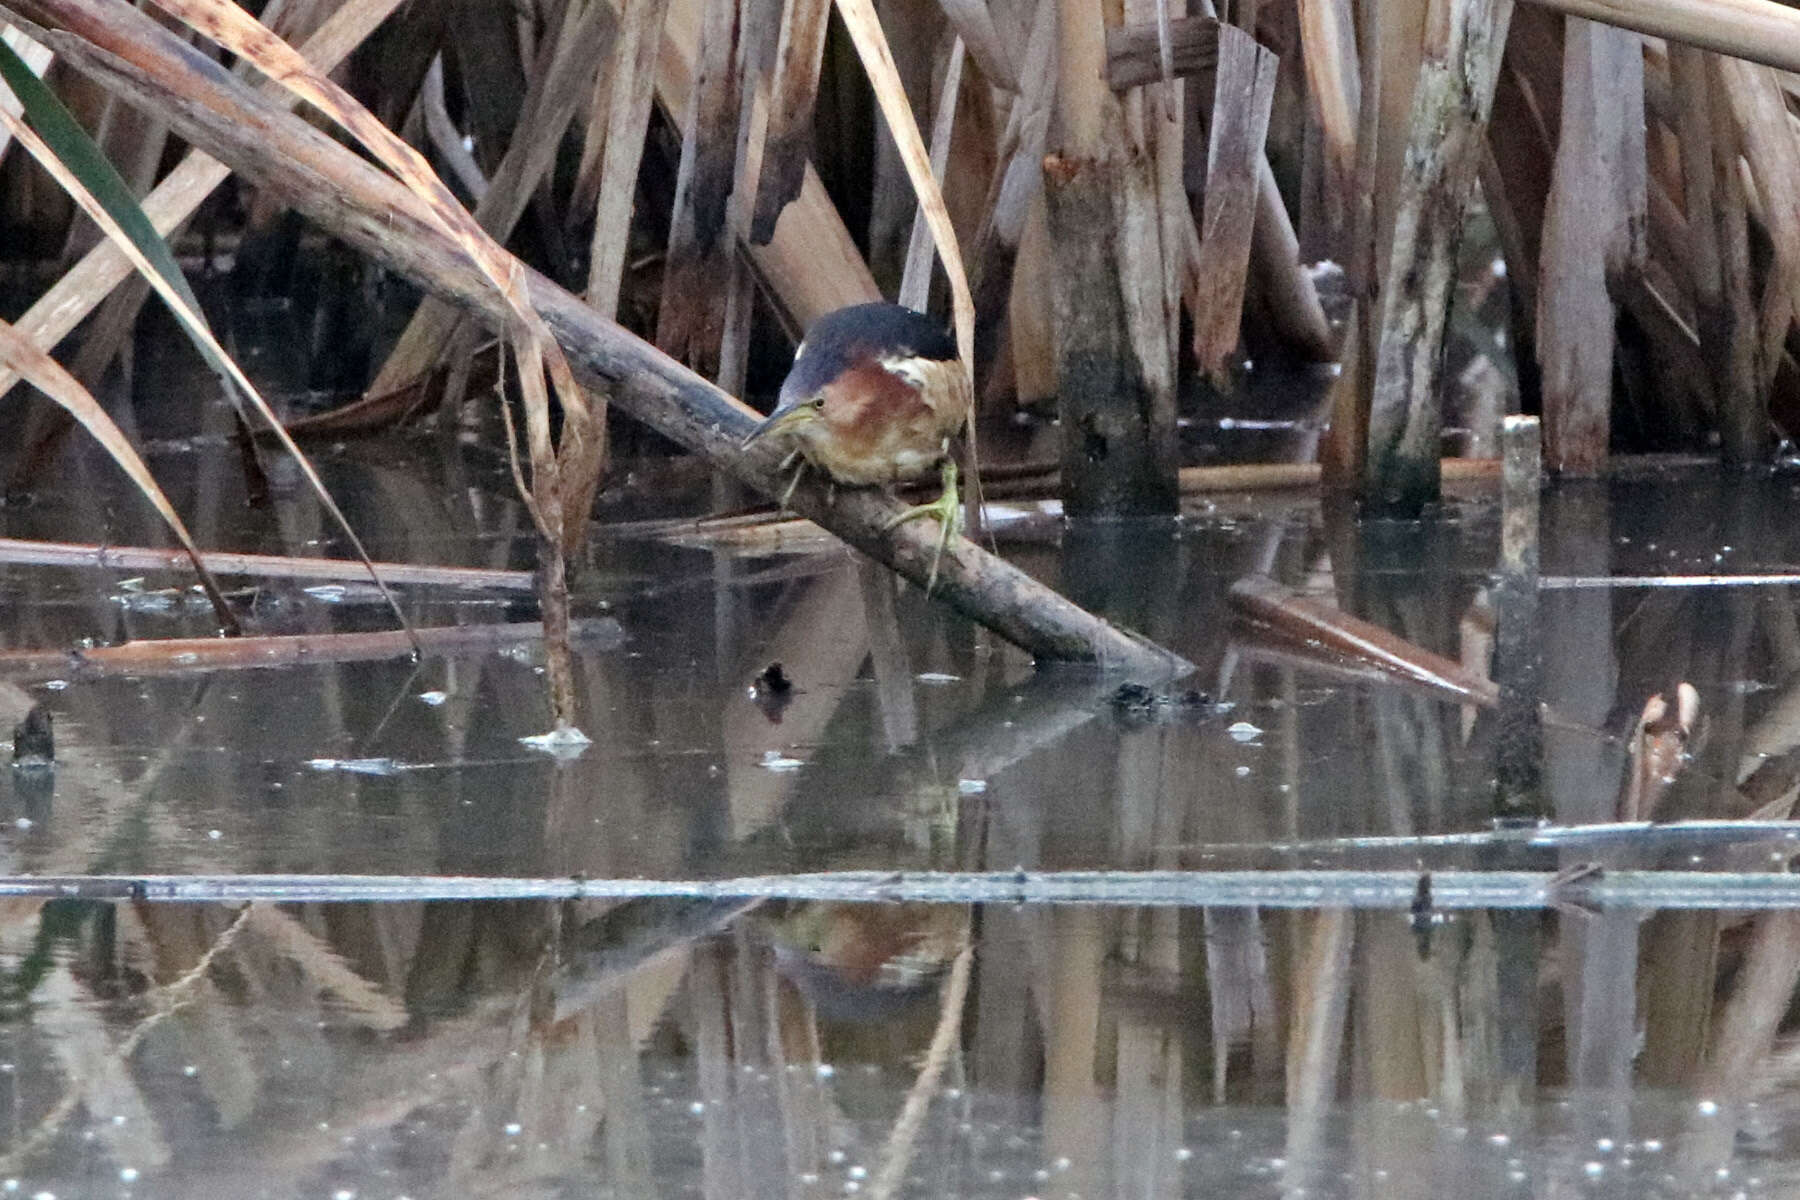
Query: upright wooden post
[1463,40]
[1115,358]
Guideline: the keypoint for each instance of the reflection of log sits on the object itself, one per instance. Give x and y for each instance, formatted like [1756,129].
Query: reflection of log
[128,52]
[1315,632]
[1288,612]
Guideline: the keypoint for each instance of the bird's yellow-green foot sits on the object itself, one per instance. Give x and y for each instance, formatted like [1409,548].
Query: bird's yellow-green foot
[946,510]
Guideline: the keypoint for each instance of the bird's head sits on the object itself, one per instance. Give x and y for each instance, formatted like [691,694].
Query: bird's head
[851,368]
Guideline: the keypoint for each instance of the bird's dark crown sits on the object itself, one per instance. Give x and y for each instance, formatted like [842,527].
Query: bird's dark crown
[861,333]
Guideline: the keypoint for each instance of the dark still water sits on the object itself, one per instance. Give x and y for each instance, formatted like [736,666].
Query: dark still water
[1309,966]
[795,1049]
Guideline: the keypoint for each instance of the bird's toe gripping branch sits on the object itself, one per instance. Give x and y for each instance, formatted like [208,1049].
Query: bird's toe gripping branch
[947,510]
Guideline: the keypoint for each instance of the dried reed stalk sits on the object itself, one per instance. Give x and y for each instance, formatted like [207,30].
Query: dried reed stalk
[261,566]
[1246,88]
[1759,31]
[549,106]
[1596,197]
[993,52]
[690,321]
[185,655]
[871,46]
[49,377]
[793,88]
[915,278]
[1735,350]
[536,352]
[810,264]
[631,87]
[1333,88]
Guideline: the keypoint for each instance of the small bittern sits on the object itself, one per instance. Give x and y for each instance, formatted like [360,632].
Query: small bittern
[875,394]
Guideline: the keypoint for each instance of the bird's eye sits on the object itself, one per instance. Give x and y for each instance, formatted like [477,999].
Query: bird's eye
[819,402]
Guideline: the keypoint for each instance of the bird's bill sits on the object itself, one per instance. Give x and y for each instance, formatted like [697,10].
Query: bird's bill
[778,421]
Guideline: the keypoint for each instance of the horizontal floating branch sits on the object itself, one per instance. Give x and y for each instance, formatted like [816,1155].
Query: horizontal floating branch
[165,656]
[261,566]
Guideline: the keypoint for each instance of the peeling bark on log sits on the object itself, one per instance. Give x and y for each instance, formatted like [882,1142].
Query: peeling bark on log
[1451,103]
[356,202]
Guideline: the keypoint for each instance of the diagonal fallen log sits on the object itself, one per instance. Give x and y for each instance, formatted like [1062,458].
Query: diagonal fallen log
[132,55]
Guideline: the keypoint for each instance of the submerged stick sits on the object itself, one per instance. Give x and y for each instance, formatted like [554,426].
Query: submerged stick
[131,54]
[1518,665]
[163,656]
[265,566]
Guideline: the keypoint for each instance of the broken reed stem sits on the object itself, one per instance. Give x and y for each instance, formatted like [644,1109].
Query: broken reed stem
[1518,667]
[128,52]
[1758,31]
[1240,123]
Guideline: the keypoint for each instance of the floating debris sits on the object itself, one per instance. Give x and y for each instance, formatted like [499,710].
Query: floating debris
[34,741]
[772,691]
[565,741]
[358,766]
[1137,705]
[433,698]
